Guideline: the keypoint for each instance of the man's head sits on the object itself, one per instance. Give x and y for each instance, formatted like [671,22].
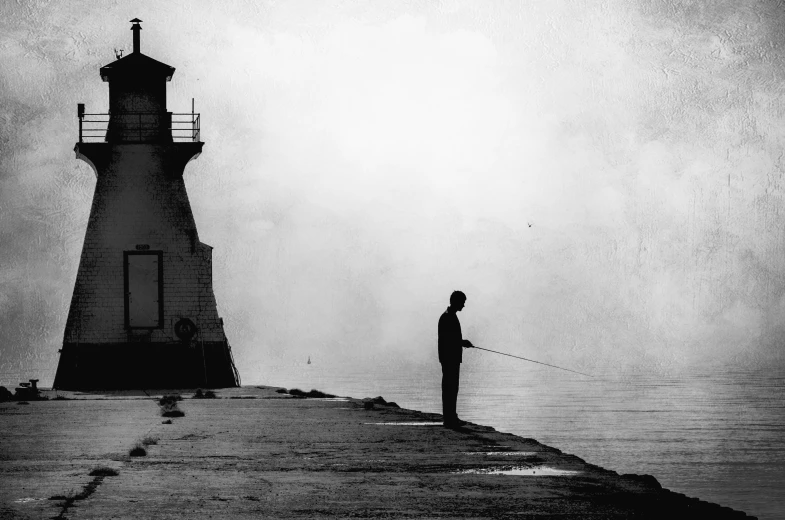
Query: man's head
[457,300]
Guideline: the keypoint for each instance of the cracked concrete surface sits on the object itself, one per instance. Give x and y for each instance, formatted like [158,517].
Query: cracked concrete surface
[255,453]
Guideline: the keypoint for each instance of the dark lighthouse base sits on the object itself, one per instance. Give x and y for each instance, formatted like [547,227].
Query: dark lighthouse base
[134,366]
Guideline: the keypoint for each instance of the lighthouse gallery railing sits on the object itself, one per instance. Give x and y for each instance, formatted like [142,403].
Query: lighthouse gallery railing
[138,126]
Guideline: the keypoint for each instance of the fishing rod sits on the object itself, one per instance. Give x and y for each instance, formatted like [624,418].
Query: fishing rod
[533,361]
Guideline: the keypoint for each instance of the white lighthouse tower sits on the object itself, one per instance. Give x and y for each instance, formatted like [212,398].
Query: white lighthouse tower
[143,312]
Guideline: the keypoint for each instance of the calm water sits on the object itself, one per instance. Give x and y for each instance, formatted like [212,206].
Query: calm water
[718,436]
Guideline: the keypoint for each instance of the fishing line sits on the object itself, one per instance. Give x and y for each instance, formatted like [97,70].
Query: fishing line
[533,361]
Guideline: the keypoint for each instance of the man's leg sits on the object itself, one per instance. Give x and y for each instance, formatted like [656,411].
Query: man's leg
[446,393]
[449,390]
[456,374]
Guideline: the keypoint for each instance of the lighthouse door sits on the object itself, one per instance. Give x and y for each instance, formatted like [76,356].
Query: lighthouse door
[143,289]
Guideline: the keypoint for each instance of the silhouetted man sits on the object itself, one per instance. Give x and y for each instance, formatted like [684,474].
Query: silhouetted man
[451,345]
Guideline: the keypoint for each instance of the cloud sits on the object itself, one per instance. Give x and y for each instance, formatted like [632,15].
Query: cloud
[603,181]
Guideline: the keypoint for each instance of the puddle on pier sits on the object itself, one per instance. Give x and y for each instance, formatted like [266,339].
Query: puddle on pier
[503,453]
[537,471]
[419,423]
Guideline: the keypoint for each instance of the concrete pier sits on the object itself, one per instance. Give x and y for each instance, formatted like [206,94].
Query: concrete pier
[255,453]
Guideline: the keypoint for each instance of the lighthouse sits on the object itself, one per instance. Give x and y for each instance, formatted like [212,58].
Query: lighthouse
[143,312]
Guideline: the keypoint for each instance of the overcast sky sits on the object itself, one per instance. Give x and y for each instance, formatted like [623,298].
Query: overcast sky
[602,179]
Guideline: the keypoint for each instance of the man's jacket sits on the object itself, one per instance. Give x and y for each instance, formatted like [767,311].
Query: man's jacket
[450,339]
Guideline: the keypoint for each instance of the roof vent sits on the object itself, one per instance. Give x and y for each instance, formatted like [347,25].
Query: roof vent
[136,28]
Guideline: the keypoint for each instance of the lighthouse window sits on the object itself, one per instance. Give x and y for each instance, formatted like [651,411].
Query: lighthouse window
[143,289]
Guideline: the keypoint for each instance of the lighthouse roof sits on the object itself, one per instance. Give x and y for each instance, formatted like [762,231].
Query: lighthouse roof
[137,63]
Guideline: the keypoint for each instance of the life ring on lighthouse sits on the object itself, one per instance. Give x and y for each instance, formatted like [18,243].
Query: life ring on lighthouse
[185,329]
